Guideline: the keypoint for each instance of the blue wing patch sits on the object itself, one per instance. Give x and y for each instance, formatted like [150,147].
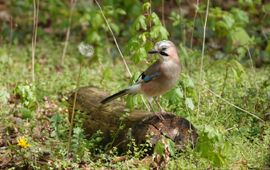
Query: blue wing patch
[147,78]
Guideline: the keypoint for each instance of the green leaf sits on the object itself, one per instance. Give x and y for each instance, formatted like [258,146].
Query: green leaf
[171,147]
[159,32]
[139,55]
[239,37]
[159,148]
[26,113]
[96,21]
[155,19]
[107,73]
[179,92]
[115,28]
[4,96]
[163,32]
[140,23]
[121,11]
[27,95]
[229,21]
[174,95]
[268,47]
[212,146]
[93,36]
[183,51]
[189,103]
[146,6]
[240,16]
[132,101]
[266,8]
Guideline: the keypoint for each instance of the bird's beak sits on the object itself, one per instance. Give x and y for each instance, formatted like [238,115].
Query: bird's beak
[153,51]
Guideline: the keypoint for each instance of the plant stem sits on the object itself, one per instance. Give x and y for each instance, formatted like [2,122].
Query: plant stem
[73,3]
[34,36]
[202,55]
[228,102]
[193,25]
[163,14]
[73,108]
[114,39]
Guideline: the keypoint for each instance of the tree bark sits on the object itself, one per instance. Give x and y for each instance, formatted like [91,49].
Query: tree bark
[118,126]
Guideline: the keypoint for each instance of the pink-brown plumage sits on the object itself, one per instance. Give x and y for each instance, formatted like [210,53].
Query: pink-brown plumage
[160,77]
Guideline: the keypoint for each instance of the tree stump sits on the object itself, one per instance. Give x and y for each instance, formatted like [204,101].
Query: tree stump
[142,125]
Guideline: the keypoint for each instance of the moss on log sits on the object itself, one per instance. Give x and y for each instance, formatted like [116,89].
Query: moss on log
[142,125]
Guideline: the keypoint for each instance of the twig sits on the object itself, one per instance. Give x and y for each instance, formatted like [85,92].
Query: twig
[34,36]
[253,69]
[162,14]
[202,55]
[149,14]
[118,48]
[114,39]
[73,4]
[11,30]
[228,102]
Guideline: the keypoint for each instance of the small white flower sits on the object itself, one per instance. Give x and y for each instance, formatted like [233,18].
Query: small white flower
[86,49]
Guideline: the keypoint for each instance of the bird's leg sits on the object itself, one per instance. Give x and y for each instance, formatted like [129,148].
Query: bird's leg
[157,102]
[150,104]
[158,114]
[146,105]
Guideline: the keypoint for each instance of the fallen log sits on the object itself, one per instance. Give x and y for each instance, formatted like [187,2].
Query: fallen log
[143,125]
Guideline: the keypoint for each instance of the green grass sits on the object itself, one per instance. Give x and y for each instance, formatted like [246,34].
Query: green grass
[229,137]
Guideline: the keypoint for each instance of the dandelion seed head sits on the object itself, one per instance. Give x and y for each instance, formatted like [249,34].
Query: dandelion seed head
[86,50]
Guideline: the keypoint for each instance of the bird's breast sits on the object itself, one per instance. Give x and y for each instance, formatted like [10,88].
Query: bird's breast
[167,80]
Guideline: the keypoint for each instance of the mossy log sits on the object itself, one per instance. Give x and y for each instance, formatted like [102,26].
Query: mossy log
[143,125]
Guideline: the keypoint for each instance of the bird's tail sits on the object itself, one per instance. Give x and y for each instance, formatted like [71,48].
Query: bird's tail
[114,96]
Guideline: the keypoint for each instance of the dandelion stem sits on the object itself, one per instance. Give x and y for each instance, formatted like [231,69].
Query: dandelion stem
[73,108]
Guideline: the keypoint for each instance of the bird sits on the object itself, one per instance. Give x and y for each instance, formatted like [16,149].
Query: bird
[159,77]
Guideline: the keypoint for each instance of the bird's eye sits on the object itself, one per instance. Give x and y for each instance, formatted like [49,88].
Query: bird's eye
[163,48]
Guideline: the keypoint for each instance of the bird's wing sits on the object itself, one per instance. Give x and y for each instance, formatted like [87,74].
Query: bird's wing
[150,74]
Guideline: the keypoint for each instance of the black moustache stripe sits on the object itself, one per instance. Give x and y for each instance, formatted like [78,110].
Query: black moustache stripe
[163,53]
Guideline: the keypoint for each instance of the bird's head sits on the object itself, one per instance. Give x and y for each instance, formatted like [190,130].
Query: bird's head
[166,50]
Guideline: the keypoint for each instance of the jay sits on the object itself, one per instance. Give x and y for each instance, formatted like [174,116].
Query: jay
[157,79]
